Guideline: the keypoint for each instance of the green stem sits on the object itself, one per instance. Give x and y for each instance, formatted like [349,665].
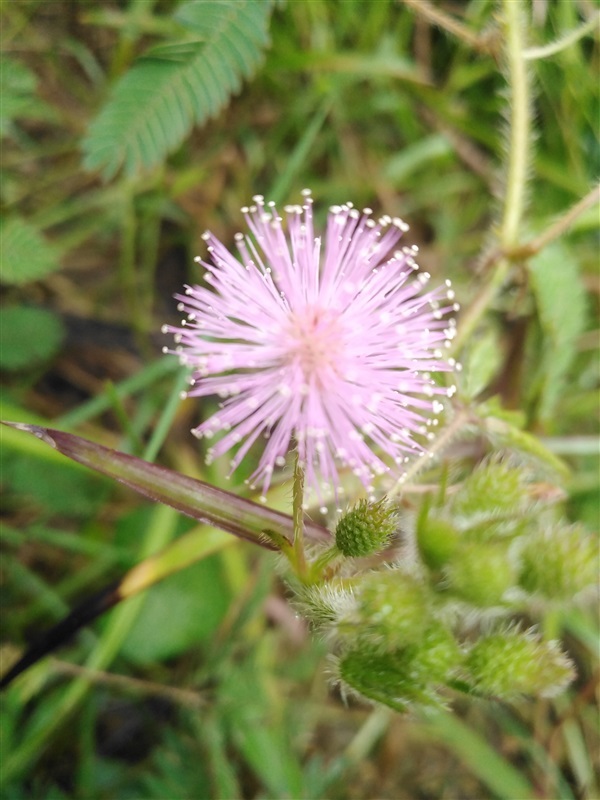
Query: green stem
[565,41]
[298,517]
[519,137]
[558,227]
[516,177]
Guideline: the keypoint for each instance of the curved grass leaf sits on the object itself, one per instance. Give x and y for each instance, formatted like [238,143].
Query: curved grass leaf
[196,499]
[175,86]
[495,771]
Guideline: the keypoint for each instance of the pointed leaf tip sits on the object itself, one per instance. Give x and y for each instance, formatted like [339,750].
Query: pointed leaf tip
[196,499]
[35,430]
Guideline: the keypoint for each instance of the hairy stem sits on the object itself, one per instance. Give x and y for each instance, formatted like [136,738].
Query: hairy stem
[519,137]
[513,205]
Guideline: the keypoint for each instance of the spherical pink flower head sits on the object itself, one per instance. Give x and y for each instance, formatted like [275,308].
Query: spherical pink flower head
[326,343]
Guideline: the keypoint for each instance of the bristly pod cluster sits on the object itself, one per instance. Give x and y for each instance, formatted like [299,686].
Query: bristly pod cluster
[435,612]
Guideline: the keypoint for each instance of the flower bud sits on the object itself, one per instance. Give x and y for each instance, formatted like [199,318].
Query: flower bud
[481,573]
[509,663]
[559,562]
[365,529]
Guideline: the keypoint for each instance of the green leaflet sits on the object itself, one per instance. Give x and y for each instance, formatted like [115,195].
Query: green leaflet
[25,253]
[28,336]
[178,85]
[560,301]
[19,101]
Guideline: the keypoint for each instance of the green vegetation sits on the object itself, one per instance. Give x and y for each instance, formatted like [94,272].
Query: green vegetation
[128,128]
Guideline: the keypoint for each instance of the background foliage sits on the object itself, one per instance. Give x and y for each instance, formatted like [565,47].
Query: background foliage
[130,127]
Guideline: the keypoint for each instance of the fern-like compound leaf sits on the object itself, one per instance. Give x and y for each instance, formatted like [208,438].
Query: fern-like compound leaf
[173,87]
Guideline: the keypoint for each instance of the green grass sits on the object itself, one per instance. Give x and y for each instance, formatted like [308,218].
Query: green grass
[206,686]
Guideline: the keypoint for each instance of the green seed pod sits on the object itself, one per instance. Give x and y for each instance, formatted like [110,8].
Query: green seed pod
[393,609]
[510,663]
[559,563]
[384,678]
[436,655]
[405,677]
[365,529]
[481,573]
[492,489]
[437,541]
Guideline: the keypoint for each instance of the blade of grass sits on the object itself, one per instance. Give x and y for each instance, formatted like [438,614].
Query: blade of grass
[159,532]
[130,386]
[162,427]
[477,756]
[300,155]
[194,498]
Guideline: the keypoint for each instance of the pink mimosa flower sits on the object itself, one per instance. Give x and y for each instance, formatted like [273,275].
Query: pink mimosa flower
[324,344]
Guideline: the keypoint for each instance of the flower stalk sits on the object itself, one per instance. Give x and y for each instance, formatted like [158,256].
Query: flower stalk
[298,517]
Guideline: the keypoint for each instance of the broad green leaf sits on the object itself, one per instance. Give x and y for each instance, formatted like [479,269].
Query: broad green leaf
[58,489]
[560,301]
[25,254]
[175,86]
[28,336]
[182,611]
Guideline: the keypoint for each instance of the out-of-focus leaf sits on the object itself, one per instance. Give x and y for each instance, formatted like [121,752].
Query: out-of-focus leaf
[17,88]
[175,770]
[258,734]
[25,254]
[416,156]
[479,757]
[184,610]
[28,336]
[59,490]
[505,435]
[560,299]
[480,363]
